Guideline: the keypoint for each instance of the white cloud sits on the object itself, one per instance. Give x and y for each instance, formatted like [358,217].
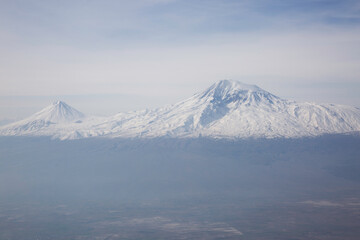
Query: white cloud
[284,57]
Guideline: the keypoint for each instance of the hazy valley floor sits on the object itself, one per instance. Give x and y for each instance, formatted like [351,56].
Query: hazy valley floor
[180,189]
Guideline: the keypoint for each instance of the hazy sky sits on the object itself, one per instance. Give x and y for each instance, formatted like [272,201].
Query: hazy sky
[103,57]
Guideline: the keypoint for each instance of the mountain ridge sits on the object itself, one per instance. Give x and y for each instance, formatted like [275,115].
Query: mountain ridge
[227,109]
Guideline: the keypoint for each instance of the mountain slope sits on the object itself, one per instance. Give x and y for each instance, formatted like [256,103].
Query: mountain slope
[232,109]
[227,109]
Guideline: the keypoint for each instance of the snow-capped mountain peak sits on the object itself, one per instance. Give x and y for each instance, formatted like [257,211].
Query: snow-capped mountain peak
[230,91]
[42,122]
[228,86]
[58,112]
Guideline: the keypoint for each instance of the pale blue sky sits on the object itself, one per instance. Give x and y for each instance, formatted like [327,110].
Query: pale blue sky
[137,54]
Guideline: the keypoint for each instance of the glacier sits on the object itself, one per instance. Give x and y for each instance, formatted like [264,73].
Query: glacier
[227,109]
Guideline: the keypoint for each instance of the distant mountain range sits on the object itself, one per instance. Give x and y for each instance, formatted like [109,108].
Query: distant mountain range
[227,109]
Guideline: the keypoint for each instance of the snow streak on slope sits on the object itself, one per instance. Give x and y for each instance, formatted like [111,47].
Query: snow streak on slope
[228,109]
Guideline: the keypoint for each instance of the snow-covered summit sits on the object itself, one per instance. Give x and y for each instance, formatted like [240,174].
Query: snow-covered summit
[227,109]
[230,91]
[58,112]
[231,86]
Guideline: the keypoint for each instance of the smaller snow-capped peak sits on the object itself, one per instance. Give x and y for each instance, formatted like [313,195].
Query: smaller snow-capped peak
[58,112]
[45,121]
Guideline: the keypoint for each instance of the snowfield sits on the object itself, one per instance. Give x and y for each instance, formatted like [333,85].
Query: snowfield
[227,109]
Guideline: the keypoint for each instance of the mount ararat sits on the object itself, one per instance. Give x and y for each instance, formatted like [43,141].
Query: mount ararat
[227,109]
